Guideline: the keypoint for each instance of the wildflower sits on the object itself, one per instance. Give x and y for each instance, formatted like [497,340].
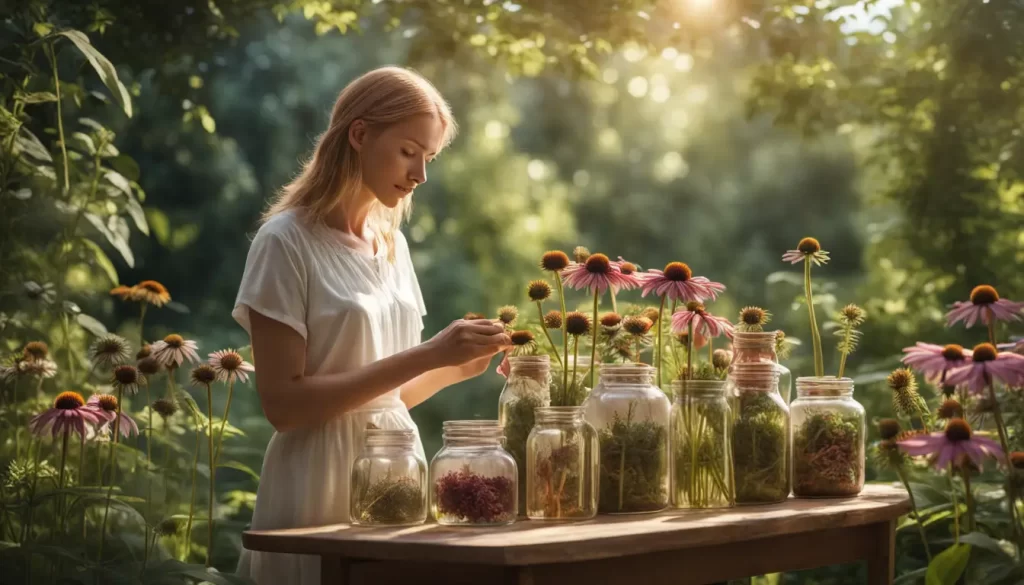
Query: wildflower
[523,343]
[783,346]
[626,267]
[611,320]
[109,350]
[577,323]
[581,253]
[888,428]
[122,292]
[203,375]
[808,248]
[69,413]
[935,361]
[165,408]
[598,274]
[229,365]
[538,290]
[849,318]
[678,283]
[35,350]
[126,379]
[44,368]
[107,405]
[637,326]
[753,319]
[950,409]
[554,261]
[173,350]
[553,320]
[987,365]
[508,315]
[983,305]
[702,321]
[152,292]
[721,359]
[149,366]
[952,445]
[905,398]
[651,313]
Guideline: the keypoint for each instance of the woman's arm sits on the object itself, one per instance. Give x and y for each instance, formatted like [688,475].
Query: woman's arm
[292,400]
[422,387]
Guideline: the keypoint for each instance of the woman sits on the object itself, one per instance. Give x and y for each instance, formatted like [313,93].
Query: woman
[333,306]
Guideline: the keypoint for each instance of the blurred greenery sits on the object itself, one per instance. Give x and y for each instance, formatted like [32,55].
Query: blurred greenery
[713,133]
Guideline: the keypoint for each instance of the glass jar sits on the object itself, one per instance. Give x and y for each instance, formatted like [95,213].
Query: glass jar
[701,429]
[577,380]
[474,479]
[828,438]
[562,466]
[527,387]
[759,346]
[760,434]
[389,480]
[631,417]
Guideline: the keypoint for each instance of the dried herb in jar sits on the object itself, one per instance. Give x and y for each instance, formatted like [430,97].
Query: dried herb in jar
[519,421]
[633,466]
[827,454]
[759,442]
[391,501]
[474,498]
[558,483]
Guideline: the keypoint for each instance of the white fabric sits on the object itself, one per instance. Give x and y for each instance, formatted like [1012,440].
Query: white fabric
[353,308]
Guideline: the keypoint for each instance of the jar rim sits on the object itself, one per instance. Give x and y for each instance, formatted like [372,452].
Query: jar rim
[529,360]
[755,336]
[558,413]
[632,368]
[823,386]
[703,386]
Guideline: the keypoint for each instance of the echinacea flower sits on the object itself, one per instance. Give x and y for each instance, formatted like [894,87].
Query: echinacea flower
[611,321]
[229,365]
[935,361]
[203,375]
[173,350]
[986,366]
[149,366]
[126,379]
[166,408]
[983,305]
[538,290]
[35,350]
[636,325]
[906,400]
[523,343]
[122,292]
[110,350]
[553,320]
[554,261]
[651,313]
[807,248]
[704,323]
[950,409]
[952,445]
[151,292]
[508,315]
[44,368]
[598,274]
[678,283]
[626,267]
[577,323]
[69,413]
[753,319]
[721,359]
[107,405]
[888,428]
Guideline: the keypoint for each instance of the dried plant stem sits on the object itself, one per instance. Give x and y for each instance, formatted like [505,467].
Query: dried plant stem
[565,336]
[540,313]
[661,325]
[593,342]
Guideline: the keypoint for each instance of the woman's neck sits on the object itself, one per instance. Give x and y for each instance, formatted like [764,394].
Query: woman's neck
[351,219]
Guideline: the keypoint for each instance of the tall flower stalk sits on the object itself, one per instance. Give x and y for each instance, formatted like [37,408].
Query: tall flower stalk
[849,318]
[808,251]
[555,262]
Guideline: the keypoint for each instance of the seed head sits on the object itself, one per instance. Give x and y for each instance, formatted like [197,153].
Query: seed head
[985,352]
[581,253]
[35,350]
[521,337]
[852,315]
[984,295]
[68,401]
[957,429]
[888,428]
[149,366]
[203,375]
[553,320]
[678,271]
[508,314]
[539,290]
[651,313]
[165,408]
[554,261]
[577,323]
[809,246]
[721,359]
[951,409]
[637,325]
[611,320]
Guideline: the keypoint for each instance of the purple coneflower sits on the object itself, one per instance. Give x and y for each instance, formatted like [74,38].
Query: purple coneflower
[952,444]
[229,365]
[983,305]
[173,350]
[935,361]
[106,405]
[987,365]
[69,412]
[598,274]
[678,283]
[704,323]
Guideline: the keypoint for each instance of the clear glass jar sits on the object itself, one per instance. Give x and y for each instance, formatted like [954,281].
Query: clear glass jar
[389,480]
[577,380]
[760,434]
[828,438]
[527,387]
[631,417]
[474,479]
[701,432]
[562,466]
[759,346]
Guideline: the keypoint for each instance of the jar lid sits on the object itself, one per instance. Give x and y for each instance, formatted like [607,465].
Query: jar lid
[823,386]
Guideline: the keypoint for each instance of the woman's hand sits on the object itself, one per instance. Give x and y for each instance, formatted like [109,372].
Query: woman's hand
[468,342]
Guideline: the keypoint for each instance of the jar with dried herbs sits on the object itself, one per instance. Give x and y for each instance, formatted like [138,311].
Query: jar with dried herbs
[474,478]
[570,387]
[562,466]
[526,388]
[701,429]
[631,416]
[389,480]
[828,438]
[760,435]
[759,347]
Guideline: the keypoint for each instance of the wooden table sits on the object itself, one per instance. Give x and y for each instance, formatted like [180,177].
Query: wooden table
[673,547]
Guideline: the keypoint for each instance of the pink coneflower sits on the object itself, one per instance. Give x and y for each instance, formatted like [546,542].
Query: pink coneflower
[935,361]
[598,274]
[106,405]
[678,283]
[807,248]
[173,350]
[983,304]
[986,366]
[952,445]
[229,365]
[626,267]
[704,323]
[69,412]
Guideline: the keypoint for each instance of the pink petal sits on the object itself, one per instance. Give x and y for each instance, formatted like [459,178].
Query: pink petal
[989,445]
[948,453]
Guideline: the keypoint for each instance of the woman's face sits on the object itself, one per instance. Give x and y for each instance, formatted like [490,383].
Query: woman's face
[394,159]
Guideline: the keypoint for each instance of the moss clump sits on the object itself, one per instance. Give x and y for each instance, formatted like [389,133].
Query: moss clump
[828,449]
[390,501]
[759,449]
[634,466]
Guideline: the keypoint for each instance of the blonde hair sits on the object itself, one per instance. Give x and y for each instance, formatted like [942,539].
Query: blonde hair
[333,173]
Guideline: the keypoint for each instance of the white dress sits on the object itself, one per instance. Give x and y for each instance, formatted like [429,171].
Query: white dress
[352,308]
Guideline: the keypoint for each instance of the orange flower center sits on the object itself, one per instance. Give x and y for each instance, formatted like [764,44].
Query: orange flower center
[598,264]
[809,246]
[627,268]
[126,374]
[521,337]
[108,402]
[985,352]
[230,361]
[37,350]
[637,325]
[695,307]
[174,340]
[678,272]
[611,319]
[957,429]
[953,352]
[153,287]
[69,401]
[1017,459]
[951,409]
[554,261]
[984,295]
[888,428]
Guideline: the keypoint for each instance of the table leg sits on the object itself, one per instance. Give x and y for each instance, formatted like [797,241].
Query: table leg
[881,564]
[334,570]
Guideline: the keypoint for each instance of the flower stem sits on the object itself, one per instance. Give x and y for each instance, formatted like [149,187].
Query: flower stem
[60,481]
[60,120]
[116,431]
[615,308]
[575,359]
[966,476]
[917,515]
[661,325]
[192,500]
[213,471]
[1011,490]
[142,319]
[689,351]
[842,355]
[17,417]
[149,465]
[224,421]
[565,338]
[819,362]
[991,326]
[540,312]
[593,343]
[81,478]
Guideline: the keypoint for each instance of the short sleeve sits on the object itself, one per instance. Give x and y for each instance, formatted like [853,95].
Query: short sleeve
[409,278]
[274,283]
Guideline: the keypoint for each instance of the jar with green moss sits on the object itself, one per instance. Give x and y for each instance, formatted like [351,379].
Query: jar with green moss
[527,388]
[828,439]
[389,480]
[701,434]
[631,416]
[760,434]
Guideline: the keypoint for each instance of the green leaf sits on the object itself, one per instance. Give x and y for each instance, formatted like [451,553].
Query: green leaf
[30,145]
[102,260]
[38,97]
[160,224]
[125,165]
[177,307]
[138,215]
[240,467]
[104,68]
[982,540]
[91,324]
[947,566]
[84,141]
[116,232]
[118,180]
